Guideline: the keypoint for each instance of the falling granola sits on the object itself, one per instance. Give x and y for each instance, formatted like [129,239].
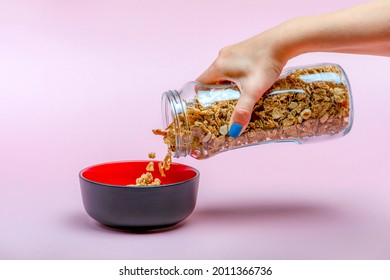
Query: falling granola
[147,179]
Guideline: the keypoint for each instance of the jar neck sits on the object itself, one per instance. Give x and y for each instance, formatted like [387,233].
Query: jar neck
[173,110]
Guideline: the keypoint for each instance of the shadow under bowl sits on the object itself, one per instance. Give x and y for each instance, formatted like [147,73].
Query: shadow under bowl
[108,200]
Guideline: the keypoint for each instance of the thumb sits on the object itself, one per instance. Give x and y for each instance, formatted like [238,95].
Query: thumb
[252,88]
[241,115]
[251,91]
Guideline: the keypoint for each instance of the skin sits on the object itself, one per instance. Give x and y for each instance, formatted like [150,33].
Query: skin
[255,63]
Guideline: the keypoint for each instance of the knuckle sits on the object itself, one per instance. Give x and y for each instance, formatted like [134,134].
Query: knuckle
[242,114]
[224,52]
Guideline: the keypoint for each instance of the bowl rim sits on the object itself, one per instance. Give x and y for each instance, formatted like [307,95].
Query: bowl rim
[137,187]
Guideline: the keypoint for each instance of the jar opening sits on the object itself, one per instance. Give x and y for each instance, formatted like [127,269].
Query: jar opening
[172,108]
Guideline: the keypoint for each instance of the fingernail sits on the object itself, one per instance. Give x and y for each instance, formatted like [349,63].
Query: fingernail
[235,130]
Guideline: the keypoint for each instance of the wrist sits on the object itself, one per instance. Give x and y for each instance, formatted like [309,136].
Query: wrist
[283,42]
[294,37]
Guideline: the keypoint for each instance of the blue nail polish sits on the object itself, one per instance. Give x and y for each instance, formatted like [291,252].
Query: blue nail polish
[235,130]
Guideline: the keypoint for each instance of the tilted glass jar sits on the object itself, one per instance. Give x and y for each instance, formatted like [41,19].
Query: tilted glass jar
[305,104]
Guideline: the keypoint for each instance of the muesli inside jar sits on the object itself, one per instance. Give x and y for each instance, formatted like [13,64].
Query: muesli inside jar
[304,103]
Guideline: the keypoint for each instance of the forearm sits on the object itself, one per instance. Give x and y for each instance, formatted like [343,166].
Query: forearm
[363,29]
[255,63]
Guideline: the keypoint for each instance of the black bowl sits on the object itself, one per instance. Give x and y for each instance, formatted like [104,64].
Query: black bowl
[108,200]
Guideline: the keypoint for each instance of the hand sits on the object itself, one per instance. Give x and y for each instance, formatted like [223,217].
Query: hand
[253,65]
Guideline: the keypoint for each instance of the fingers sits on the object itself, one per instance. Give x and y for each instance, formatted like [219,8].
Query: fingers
[252,75]
[214,74]
[209,76]
[226,67]
[252,87]
[242,113]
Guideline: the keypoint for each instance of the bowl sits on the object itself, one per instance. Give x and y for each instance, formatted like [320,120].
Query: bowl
[108,200]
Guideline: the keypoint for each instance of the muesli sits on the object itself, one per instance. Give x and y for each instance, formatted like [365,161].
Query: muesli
[293,108]
[147,179]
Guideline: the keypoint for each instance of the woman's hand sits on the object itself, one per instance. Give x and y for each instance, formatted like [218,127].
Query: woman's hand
[253,65]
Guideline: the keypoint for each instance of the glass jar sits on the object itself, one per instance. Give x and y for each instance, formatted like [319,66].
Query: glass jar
[305,104]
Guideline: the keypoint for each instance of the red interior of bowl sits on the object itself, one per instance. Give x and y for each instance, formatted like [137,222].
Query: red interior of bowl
[125,173]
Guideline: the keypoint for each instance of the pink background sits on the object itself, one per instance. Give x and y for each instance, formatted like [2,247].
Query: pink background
[80,83]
